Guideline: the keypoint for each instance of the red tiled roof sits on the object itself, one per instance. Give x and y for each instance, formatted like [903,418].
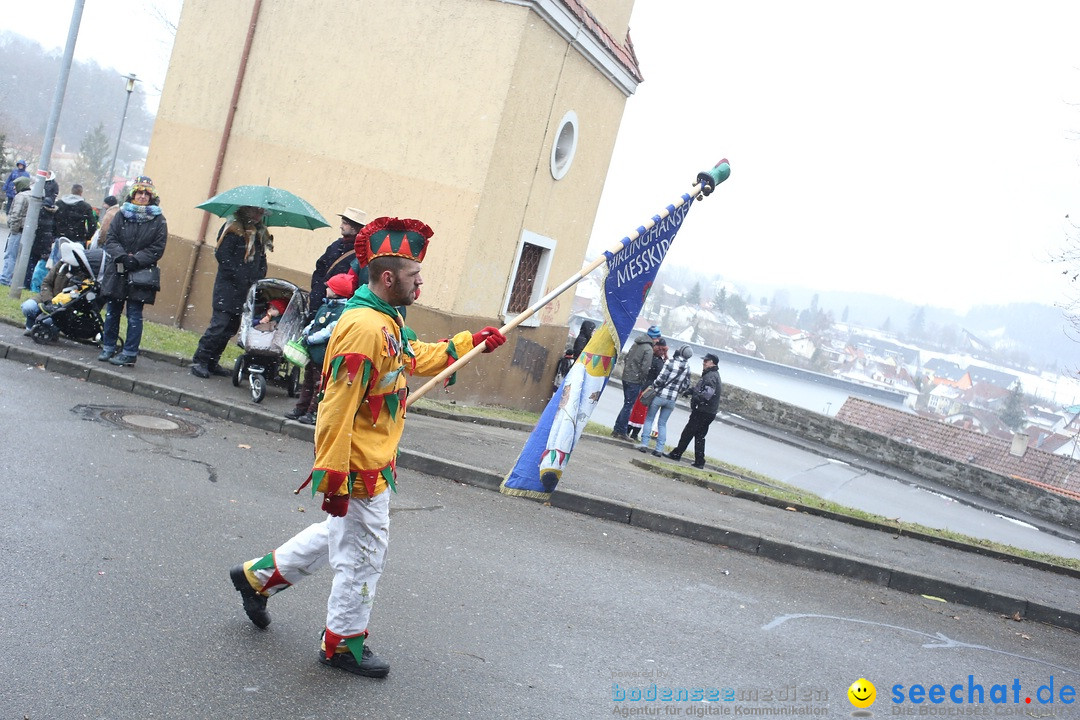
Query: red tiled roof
[962,445]
[623,53]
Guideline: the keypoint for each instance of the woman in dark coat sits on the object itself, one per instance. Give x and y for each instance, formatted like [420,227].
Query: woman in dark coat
[241,257]
[136,240]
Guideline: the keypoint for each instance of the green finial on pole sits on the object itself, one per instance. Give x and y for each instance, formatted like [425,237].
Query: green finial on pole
[711,178]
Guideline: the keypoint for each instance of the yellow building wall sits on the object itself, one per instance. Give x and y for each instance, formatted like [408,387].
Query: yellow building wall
[445,110]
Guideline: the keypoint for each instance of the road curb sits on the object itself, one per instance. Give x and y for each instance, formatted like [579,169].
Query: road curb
[784,552]
[719,487]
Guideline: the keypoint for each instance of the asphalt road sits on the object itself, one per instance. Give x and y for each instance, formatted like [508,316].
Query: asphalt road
[912,500]
[116,602]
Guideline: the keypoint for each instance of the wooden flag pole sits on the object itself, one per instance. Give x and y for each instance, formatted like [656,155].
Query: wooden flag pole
[706,183]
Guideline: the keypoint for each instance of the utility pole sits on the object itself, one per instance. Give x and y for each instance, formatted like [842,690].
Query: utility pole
[131,80]
[37,193]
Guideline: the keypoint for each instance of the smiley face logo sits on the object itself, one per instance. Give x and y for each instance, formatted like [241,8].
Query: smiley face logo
[862,693]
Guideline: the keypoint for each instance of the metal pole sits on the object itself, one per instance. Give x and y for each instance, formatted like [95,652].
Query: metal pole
[131,80]
[38,191]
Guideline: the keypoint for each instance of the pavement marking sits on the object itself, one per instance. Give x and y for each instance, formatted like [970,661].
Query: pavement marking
[939,640]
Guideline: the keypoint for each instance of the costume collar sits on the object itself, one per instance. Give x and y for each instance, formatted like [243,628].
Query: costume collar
[365,298]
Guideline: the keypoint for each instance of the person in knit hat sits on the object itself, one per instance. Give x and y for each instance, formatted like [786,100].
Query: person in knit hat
[636,365]
[369,358]
[9,184]
[314,337]
[136,241]
[241,256]
[15,220]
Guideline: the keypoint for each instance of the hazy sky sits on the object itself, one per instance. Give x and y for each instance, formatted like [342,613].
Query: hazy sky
[130,37]
[924,150]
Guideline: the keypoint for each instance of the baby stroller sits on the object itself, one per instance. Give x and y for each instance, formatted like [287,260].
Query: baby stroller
[75,312]
[264,342]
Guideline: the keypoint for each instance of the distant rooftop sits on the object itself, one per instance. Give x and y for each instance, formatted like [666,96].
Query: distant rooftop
[962,445]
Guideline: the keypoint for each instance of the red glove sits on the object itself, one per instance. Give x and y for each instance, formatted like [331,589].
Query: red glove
[491,337]
[336,505]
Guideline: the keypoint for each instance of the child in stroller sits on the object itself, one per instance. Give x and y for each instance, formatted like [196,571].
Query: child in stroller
[274,314]
[69,298]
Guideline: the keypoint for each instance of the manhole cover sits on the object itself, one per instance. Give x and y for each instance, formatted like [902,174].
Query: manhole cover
[151,422]
[141,420]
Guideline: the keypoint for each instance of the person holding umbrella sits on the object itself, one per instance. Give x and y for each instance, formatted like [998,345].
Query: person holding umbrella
[241,258]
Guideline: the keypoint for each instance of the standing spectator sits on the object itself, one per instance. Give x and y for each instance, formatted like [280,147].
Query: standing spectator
[314,338]
[46,231]
[75,220]
[9,184]
[637,415]
[636,366]
[337,257]
[588,327]
[241,258]
[336,260]
[704,404]
[110,208]
[136,241]
[361,418]
[669,384]
[16,219]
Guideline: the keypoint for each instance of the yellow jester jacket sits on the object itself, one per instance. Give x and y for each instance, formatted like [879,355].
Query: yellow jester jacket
[362,412]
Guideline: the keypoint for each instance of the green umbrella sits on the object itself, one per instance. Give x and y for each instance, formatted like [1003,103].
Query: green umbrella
[283,209]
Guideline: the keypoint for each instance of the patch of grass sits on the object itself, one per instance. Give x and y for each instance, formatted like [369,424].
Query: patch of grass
[163,339]
[747,481]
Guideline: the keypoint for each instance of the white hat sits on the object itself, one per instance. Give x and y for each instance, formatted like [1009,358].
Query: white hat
[354,215]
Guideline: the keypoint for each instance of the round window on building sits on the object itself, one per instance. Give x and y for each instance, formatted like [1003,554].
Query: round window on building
[562,152]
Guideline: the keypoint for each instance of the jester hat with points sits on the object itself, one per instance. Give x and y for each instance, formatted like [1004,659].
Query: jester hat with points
[397,237]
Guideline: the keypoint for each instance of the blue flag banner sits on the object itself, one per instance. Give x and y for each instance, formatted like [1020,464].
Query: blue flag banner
[631,271]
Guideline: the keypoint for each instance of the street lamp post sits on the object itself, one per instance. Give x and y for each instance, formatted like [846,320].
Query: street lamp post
[131,80]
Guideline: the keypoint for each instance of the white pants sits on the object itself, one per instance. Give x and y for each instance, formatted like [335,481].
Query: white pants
[354,546]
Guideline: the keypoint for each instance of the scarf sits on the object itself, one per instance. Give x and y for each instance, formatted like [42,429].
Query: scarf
[139,213]
[252,234]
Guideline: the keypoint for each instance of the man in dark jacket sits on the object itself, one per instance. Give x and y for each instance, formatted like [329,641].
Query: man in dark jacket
[704,404]
[241,257]
[46,227]
[636,365]
[74,219]
[337,257]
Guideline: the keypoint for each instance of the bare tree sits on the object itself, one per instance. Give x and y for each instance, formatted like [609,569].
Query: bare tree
[1068,259]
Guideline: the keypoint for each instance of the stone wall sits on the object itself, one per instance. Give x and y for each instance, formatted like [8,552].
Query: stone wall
[1001,489]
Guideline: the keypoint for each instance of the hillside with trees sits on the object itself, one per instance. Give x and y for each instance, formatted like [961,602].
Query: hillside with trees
[88,124]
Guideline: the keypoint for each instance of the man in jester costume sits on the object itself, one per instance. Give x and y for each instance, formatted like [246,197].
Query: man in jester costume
[361,417]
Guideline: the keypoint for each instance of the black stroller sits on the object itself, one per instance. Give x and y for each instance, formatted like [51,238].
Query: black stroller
[263,360]
[75,312]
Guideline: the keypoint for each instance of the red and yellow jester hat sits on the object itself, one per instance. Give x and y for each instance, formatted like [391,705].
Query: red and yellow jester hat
[398,237]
